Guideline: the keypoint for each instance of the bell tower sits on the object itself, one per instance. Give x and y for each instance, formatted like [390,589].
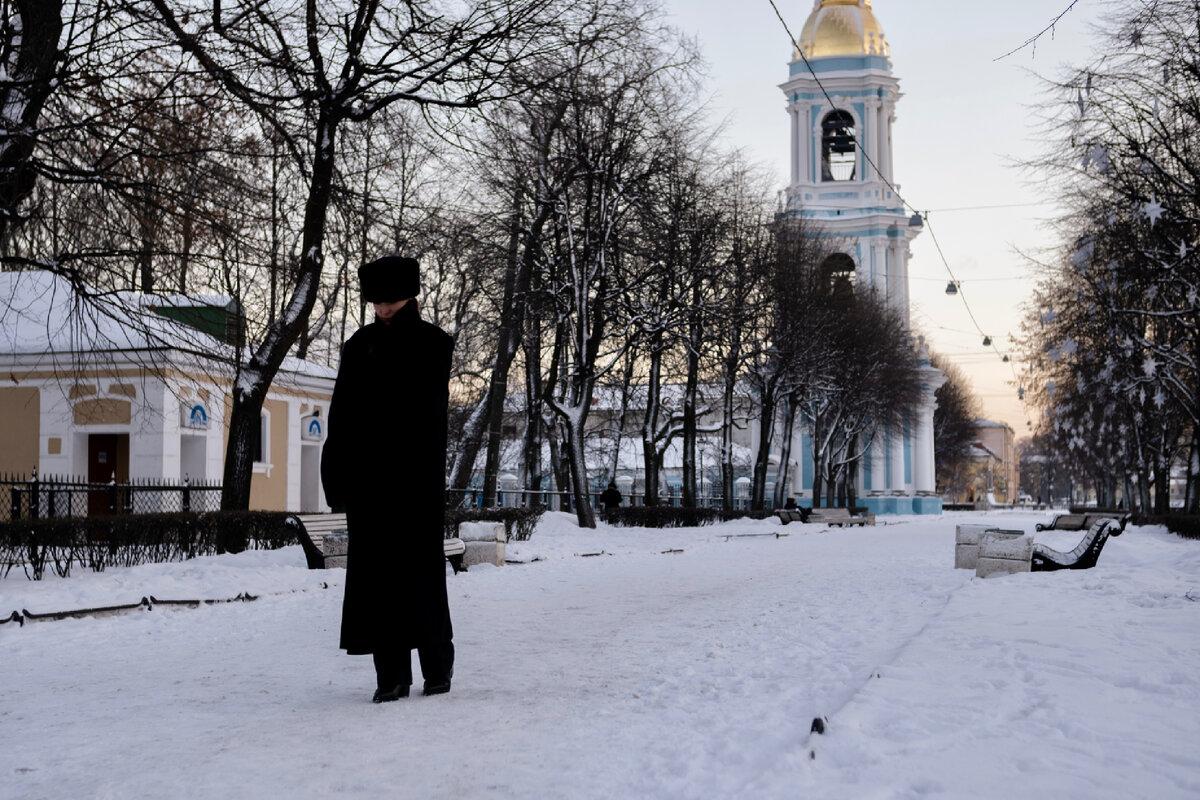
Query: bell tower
[841,151]
[841,101]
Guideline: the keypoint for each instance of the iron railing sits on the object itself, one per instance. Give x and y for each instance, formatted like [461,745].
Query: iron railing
[560,501]
[49,497]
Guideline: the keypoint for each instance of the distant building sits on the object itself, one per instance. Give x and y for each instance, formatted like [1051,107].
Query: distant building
[995,450]
[138,389]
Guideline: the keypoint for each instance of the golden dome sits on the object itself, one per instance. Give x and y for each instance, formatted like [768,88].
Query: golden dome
[843,28]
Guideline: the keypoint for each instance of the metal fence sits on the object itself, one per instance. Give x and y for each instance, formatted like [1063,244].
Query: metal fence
[561,501]
[48,497]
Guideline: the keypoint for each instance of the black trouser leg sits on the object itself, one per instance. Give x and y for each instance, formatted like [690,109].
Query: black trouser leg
[437,662]
[393,668]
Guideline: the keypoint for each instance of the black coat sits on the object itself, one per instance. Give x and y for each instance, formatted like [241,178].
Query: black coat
[384,462]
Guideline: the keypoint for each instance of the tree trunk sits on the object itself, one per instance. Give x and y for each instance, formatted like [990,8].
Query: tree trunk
[584,512]
[650,459]
[32,54]
[852,474]
[785,451]
[254,378]
[558,465]
[695,343]
[818,489]
[468,449]
[765,429]
[690,392]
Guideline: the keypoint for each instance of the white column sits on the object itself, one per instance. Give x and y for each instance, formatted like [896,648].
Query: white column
[922,450]
[293,455]
[872,139]
[896,479]
[803,170]
[888,168]
[795,144]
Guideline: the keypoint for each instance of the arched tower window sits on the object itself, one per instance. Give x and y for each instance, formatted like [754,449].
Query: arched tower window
[839,161]
[840,273]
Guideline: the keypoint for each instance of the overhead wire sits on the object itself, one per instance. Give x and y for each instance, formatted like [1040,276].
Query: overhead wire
[895,191]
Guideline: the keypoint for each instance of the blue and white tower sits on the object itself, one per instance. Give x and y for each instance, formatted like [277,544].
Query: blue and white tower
[835,185]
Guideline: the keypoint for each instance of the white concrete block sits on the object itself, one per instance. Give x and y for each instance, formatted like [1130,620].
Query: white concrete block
[966,545]
[1004,553]
[484,553]
[481,531]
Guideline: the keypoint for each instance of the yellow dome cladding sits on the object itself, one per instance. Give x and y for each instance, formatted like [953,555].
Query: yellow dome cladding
[843,28]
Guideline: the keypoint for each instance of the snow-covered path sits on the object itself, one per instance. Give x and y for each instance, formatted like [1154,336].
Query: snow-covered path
[638,675]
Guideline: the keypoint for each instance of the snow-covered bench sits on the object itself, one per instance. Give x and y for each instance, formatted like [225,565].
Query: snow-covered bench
[1084,556]
[840,517]
[1082,522]
[326,541]
[823,516]
[1064,522]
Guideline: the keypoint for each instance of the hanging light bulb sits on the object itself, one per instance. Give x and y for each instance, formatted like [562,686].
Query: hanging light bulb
[1006,359]
[1021,393]
[987,341]
[952,288]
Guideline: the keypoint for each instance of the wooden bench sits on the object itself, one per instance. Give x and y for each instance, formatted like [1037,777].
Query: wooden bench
[326,541]
[1084,556]
[840,517]
[1065,522]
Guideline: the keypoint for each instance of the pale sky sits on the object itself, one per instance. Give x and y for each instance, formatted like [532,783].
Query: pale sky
[962,120]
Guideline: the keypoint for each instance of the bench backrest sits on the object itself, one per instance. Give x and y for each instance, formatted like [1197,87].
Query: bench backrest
[1097,533]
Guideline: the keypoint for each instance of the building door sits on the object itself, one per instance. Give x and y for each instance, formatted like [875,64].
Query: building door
[310,478]
[108,458]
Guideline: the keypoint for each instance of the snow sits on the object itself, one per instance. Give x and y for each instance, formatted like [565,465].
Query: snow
[40,314]
[635,674]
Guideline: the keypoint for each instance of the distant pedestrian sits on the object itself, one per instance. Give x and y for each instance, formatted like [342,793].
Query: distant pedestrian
[384,464]
[790,505]
[610,498]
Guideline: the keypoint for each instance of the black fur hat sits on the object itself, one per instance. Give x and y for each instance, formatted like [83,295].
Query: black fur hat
[388,279]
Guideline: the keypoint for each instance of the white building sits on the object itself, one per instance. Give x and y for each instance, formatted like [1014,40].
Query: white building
[841,168]
[136,389]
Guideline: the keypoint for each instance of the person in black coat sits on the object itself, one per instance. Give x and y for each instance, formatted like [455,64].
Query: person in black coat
[384,464]
[610,498]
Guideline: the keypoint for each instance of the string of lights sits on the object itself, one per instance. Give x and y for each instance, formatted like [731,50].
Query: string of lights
[954,282]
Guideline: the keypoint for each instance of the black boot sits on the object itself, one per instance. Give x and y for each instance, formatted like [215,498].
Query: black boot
[395,693]
[437,687]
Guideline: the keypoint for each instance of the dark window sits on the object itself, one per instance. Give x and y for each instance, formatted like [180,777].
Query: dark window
[260,443]
[839,161]
[840,274]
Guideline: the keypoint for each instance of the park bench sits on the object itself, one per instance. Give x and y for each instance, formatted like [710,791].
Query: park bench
[326,541]
[1083,522]
[1083,556]
[1065,522]
[787,515]
[840,517]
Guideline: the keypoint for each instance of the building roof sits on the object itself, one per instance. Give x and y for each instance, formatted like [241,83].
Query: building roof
[979,452]
[843,28]
[987,423]
[42,314]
